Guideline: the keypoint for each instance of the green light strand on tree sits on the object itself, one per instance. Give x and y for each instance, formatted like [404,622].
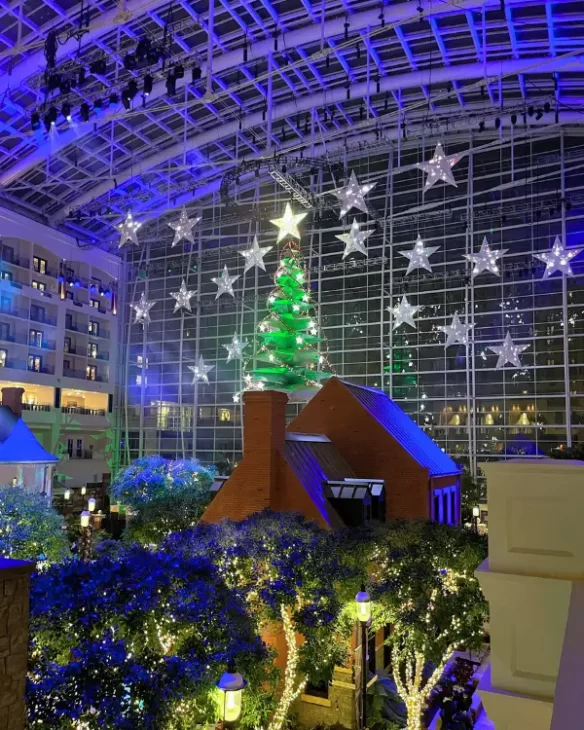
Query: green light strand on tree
[288,356]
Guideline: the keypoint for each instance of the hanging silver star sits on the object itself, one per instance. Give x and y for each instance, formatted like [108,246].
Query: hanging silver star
[456,333]
[128,230]
[142,309]
[183,297]
[485,259]
[418,256]
[235,348]
[200,371]
[508,351]
[354,240]
[183,228]
[404,312]
[352,195]
[288,223]
[558,259]
[439,168]
[224,283]
[254,256]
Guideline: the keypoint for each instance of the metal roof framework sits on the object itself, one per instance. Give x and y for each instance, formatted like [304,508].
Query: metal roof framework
[312,76]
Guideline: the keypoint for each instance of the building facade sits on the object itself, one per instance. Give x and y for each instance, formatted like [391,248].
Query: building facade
[59,342]
[520,198]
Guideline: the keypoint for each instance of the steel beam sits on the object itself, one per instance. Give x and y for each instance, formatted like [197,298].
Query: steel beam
[442,75]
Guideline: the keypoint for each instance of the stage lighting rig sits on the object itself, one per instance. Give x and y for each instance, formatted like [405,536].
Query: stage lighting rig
[130,62]
[114,99]
[98,106]
[50,118]
[53,82]
[81,77]
[148,84]
[84,111]
[35,121]
[66,111]
[171,84]
[98,67]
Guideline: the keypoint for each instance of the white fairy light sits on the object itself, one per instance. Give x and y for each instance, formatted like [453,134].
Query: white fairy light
[418,256]
[224,283]
[485,259]
[142,309]
[254,256]
[558,259]
[508,352]
[235,348]
[183,297]
[354,240]
[128,230]
[404,313]
[439,168]
[352,195]
[456,333]
[200,371]
[183,228]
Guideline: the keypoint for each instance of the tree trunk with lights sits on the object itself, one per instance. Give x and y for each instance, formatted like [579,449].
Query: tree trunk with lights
[291,690]
[408,673]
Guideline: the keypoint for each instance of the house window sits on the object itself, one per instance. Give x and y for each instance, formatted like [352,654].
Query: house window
[35,338]
[224,414]
[67,344]
[93,328]
[69,295]
[39,265]
[35,363]
[90,372]
[70,447]
[3,356]
[79,448]
[92,349]
[66,364]
[445,506]
[40,285]
[6,275]
[8,254]
[5,304]
[94,303]
[4,331]
[37,314]
[138,380]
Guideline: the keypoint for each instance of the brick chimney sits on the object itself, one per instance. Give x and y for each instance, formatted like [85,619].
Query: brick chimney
[12,397]
[252,486]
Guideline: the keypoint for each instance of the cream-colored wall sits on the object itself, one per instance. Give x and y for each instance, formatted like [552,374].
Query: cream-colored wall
[84,399]
[536,553]
[33,393]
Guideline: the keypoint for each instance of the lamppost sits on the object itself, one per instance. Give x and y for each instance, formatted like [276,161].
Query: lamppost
[86,530]
[67,494]
[230,686]
[91,504]
[83,490]
[363,606]
[476,511]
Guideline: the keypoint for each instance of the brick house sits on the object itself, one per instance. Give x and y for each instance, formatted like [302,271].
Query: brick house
[351,454]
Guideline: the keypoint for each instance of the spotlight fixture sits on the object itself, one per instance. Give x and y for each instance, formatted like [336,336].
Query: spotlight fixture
[513,119]
[98,106]
[35,121]
[98,67]
[129,61]
[196,73]
[84,111]
[481,126]
[539,115]
[155,54]
[179,71]
[53,82]
[66,111]
[65,86]
[81,76]
[126,98]
[530,110]
[143,49]
[51,49]
[497,123]
[171,84]
[114,99]
[547,107]
[132,88]
[147,85]
[50,118]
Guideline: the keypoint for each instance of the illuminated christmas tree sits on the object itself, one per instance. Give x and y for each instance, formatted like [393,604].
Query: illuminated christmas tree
[289,354]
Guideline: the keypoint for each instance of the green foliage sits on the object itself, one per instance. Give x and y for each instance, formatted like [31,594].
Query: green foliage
[289,336]
[385,709]
[472,492]
[29,528]
[569,452]
[139,641]
[423,576]
[165,496]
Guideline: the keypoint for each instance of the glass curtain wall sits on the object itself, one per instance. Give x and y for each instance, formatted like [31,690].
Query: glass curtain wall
[519,193]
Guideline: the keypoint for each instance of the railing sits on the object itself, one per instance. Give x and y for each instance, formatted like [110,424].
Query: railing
[76,327]
[23,365]
[104,334]
[46,407]
[79,454]
[45,320]
[16,261]
[101,356]
[83,411]
[15,312]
